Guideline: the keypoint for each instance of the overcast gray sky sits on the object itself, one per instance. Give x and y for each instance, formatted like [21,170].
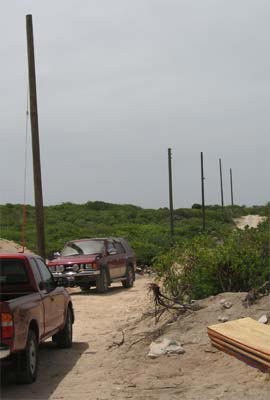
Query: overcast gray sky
[121,81]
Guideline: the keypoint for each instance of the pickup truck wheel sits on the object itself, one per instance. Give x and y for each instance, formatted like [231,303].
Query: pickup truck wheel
[63,339]
[102,283]
[128,282]
[4,376]
[27,363]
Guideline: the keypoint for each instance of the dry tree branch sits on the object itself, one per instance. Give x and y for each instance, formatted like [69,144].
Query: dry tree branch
[164,303]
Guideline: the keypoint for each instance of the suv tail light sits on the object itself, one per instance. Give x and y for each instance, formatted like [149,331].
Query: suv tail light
[7,328]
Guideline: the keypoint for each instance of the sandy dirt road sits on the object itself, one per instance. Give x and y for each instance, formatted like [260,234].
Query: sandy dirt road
[249,220]
[103,366]
[91,369]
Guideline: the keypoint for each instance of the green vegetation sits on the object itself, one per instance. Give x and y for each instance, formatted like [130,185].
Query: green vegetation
[146,229]
[220,259]
[208,264]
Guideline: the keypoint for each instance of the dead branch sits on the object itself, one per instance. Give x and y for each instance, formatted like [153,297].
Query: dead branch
[164,303]
[256,294]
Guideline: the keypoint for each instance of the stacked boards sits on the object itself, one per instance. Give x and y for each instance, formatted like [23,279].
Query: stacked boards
[245,339]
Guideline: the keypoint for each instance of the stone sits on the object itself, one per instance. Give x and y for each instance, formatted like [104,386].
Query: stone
[211,349]
[263,319]
[165,346]
[226,304]
[223,318]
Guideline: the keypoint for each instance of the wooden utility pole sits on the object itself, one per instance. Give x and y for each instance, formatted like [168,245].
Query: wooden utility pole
[203,203]
[171,193]
[221,184]
[231,187]
[35,138]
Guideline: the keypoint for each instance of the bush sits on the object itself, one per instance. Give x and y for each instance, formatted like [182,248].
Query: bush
[207,265]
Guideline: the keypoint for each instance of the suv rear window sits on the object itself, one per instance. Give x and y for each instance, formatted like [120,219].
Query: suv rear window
[12,272]
[119,248]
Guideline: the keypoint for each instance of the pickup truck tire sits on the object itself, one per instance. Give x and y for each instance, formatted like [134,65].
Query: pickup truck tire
[128,282]
[63,339]
[4,376]
[27,363]
[102,283]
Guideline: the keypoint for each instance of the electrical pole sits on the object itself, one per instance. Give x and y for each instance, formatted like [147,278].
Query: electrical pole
[35,138]
[221,184]
[171,193]
[203,204]
[231,187]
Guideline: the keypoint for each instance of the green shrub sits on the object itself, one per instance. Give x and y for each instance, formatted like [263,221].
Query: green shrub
[208,264]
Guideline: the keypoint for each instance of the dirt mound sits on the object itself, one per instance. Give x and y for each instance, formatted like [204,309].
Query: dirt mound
[8,246]
[202,371]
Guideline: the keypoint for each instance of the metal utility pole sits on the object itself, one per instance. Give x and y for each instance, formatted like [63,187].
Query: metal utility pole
[221,184]
[203,204]
[35,138]
[171,193]
[231,187]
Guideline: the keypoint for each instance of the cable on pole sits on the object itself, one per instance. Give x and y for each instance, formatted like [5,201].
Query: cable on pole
[24,207]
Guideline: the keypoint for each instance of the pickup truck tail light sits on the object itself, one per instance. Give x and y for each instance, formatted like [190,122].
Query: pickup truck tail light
[7,327]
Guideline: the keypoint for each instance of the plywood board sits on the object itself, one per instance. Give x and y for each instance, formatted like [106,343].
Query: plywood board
[246,332]
[214,335]
[241,357]
[241,352]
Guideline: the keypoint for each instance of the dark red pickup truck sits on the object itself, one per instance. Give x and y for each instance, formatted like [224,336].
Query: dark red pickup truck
[33,307]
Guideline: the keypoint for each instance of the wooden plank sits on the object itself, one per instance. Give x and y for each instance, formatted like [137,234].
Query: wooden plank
[241,357]
[247,332]
[240,351]
[215,335]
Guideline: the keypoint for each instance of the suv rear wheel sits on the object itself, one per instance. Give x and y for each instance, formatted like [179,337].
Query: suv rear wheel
[85,288]
[128,282]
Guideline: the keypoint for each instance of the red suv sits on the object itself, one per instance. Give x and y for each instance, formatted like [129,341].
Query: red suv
[96,262]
